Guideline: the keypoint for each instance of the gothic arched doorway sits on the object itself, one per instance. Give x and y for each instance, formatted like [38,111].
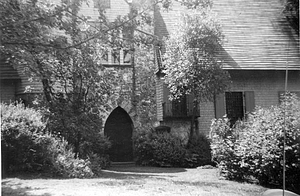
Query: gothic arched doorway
[118,128]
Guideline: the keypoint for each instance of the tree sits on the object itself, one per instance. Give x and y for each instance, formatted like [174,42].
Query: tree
[57,45]
[145,68]
[191,62]
[49,42]
[291,12]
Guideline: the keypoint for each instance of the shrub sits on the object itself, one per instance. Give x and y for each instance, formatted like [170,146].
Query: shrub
[255,146]
[96,147]
[159,149]
[168,150]
[143,149]
[80,127]
[223,145]
[19,126]
[65,165]
[27,147]
[198,151]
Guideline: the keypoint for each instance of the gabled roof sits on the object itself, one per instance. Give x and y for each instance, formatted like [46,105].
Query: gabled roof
[257,35]
[165,20]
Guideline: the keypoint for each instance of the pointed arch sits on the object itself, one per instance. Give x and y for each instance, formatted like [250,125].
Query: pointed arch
[119,128]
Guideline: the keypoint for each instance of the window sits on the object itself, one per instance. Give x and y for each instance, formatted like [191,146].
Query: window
[182,108]
[179,107]
[121,54]
[235,105]
[102,4]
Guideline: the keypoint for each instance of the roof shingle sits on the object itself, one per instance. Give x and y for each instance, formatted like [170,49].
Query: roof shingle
[257,36]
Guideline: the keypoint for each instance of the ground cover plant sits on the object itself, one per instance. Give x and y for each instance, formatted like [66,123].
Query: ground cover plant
[254,147]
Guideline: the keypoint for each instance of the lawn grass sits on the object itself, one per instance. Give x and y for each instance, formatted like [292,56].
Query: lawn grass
[133,181]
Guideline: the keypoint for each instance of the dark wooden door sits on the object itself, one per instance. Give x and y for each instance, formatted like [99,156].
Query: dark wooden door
[118,128]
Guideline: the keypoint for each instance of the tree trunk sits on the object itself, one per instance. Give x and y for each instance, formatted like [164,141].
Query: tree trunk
[47,90]
[192,130]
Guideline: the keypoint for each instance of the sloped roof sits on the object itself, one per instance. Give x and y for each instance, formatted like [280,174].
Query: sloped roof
[165,20]
[256,34]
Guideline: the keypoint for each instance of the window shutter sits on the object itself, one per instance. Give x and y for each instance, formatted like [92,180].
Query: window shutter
[249,101]
[220,105]
[167,105]
[189,104]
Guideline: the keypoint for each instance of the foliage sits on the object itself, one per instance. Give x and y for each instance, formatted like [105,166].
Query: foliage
[167,150]
[198,149]
[66,165]
[223,147]
[94,144]
[82,130]
[255,147]
[159,149]
[145,79]
[19,127]
[191,65]
[27,147]
[291,12]
[50,43]
[52,46]
[191,62]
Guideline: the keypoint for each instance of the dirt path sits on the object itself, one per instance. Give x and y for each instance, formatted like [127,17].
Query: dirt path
[133,181]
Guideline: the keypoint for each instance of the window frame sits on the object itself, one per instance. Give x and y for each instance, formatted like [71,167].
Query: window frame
[248,103]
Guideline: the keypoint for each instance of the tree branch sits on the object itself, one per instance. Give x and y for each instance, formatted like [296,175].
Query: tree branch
[111,28]
[32,20]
